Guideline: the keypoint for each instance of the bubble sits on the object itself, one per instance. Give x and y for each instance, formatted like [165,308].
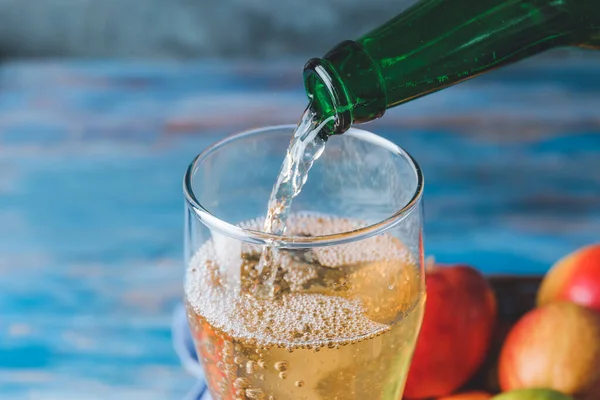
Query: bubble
[211,348]
[299,383]
[255,394]
[251,367]
[281,366]
[241,383]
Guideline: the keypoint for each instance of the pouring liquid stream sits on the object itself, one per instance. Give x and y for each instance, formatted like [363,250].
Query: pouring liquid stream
[306,146]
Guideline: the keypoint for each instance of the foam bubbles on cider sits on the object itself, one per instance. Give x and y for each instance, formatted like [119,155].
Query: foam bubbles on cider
[376,248]
[294,319]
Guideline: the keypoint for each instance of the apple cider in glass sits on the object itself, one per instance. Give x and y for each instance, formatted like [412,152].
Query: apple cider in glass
[343,327]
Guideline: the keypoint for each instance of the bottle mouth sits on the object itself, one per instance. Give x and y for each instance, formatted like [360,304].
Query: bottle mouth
[326,95]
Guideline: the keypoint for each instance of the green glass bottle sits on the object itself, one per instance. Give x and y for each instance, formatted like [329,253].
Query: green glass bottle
[437,43]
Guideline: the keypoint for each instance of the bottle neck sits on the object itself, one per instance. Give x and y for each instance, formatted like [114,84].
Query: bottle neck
[353,95]
[436,44]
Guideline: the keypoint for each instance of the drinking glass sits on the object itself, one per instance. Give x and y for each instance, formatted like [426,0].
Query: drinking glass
[348,307]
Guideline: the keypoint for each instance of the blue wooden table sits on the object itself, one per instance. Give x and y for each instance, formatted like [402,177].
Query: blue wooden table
[91,161]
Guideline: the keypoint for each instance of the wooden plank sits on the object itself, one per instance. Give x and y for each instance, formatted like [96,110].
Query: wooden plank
[91,161]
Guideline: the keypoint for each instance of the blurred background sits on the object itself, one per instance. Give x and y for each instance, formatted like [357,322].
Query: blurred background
[185,29]
[103,104]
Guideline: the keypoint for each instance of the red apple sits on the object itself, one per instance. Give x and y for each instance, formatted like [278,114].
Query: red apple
[575,278]
[476,395]
[556,346]
[460,314]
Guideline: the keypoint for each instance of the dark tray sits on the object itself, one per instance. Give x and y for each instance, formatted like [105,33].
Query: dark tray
[516,296]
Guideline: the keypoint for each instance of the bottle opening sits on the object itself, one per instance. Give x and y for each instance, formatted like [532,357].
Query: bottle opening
[326,96]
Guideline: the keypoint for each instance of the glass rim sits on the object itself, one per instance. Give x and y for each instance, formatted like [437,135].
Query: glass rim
[289,241]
